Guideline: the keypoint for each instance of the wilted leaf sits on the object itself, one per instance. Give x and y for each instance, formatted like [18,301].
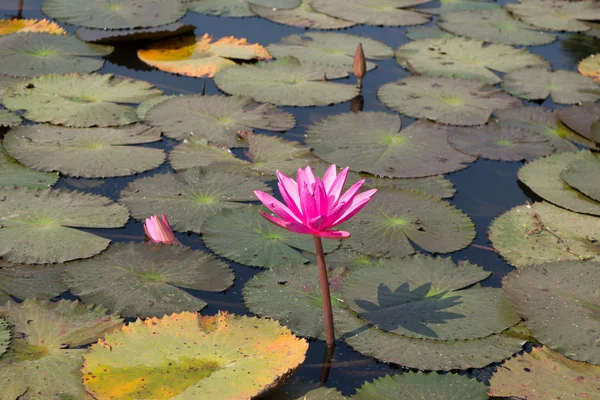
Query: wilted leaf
[8,26]
[590,66]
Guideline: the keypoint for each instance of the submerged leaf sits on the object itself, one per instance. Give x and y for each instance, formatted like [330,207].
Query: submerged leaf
[302,16]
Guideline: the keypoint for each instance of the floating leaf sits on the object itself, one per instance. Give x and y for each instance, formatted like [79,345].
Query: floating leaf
[12,173]
[556,15]
[342,257]
[464,58]
[85,152]
[115,15]
[244,236]
[426,32]
[452,6]
[373,12]
[420,150]
[145,106]
[542,233]
[8,26]
[449,101]
[79,100]
[7,81]
[152,276]
[216,118]
[4,336]
[236,8]
[202,57]
[437,186]
[199,153]
[560,305]
[580,118]
[286,81]
[38,224]
[297,389]
[190,196]
[130,35]
[430,386]
[303,16]
[28,282]
[581,175]
[43,361]
[590,66]
[9,119]
[221,356]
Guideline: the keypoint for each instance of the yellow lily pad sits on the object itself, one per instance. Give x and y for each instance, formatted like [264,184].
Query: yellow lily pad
[8,26]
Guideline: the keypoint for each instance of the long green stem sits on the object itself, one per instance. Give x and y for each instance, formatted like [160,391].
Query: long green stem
[324,280]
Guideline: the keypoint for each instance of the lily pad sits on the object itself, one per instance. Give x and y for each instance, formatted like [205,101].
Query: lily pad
[464,58]
[559,302]
[580,118]
[115,15]
[244,236]
[556,15]
[286,81]
[543,176]
[216,118]
[129,35]
[8,26]
[199,153]
[342,257]
[7,81]
[202,57]
[188,355]
[190,196]
[9,119]
[28,282]
[297,389]
[437,186]
[582,174]
[34,54]
[79,100]
[394,216]
[38,224]
[544,374]
[153,277]
[373,142]
[43,360]
[537,83]
[430,386]
[85,152]
[542,233]
[236,8]
[302,16]
[496,142]
[495,26]
[426,32]
[335,49]
[4,336]
[590,66]
[449,101]
[13,173]
[451,6]
[373,12]
[144,107]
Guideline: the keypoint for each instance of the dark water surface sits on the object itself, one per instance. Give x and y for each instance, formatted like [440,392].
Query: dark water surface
[485,190]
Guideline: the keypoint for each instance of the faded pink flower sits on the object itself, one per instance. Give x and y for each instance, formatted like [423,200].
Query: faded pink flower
[313,205]
[159,231]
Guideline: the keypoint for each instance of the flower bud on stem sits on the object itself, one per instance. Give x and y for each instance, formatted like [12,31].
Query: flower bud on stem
[360,65]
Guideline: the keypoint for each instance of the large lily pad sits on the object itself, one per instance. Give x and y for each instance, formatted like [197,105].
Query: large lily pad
[542,233]
[191,356]
[464,58]
[152,276]
[580,118]
[103,36]
[8,26]
[544,374]
[43,360]
[244,236]
[115,15]
[590,66]
[202,57]
[297,389]
[7,81]
[85,152]
[582,174]
[9,119]
[38,224]
[451,6]
[426,32]
[430,386]
[286,81]
[216,118]
[565,87]
[373,12]
[79,100]
[373,142]
[28,282]
[559,302]
[190,197]
[199,153]
[236,8]
[437,186]
[383,228]
[449,101]
[34,54]
[302,16]
[13,173]
[556,15]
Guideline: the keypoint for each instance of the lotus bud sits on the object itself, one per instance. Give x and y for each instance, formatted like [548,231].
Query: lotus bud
[360,65]
[159,230]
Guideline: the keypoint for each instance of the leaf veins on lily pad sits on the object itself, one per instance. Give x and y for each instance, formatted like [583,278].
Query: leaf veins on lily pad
[373,12]
[556,15]
[28,282]
[188,355]
[302,16]
[13,173]
[8,26]
[236,8]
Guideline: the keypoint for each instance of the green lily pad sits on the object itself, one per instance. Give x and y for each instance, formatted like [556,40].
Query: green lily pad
[565,87]
[4,336]
[7,81]
[449,101]
[560,305]
[32,54]
[335,49]
[103,36]
[342,257]
[246,237]
[216,118]
[496,142]
[28,282]
[115,15]
[582,174]
[303,16]
[236,8]
[190,197]
[452,6]
[430,386]
[199,153]
[556,15]
[85,152]
[464,58]
[437,186]
[13,173]
[79,100]
[392,217]
[543,176]
[145,106]
[373,12]
[43,360]
[427,32]
[495,26]
[287,82]
[542,233]
[297,389]
[9,119]
[153,276]
[420,150]
[580,118]
[38,224]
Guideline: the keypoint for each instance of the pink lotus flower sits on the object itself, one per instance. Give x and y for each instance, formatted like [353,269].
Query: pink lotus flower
[313,205]
[159,231]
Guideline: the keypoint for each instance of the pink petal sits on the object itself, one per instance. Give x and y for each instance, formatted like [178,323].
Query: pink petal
[310,177]
[333,234]
[329,177]
[300,228]
[302,181]
[308,203]
[290,202]
[279,222]
[318,223]
[337,186]
[358,204]
[161,233]
[345,202]
[276,206]
[291,188]
[321,197]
